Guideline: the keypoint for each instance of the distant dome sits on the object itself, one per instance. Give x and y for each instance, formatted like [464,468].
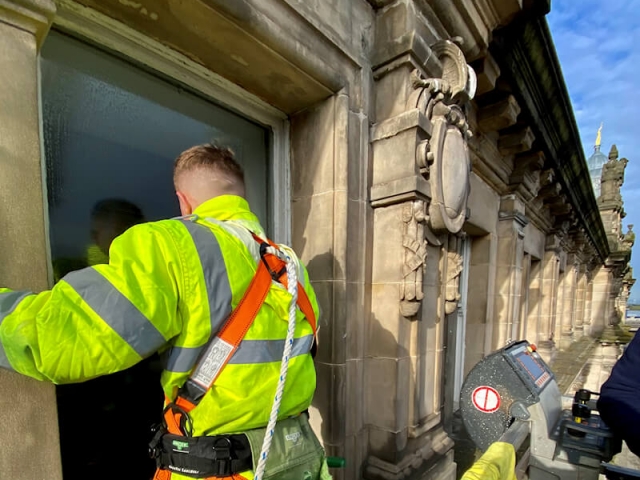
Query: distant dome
[595,163]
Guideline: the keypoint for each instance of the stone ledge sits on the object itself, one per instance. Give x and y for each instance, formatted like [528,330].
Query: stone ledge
[400,123]
[397,191]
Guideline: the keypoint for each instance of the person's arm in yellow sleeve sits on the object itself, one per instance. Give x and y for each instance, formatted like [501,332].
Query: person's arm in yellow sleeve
[497,463]
[99,320]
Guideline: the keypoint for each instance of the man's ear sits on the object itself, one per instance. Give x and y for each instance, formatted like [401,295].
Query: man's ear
[185,205]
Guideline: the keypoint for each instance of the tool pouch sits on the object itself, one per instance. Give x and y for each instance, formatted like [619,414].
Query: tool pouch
[296,453]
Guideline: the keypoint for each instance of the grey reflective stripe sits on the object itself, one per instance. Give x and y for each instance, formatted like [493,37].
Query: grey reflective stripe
[117,311]
[216,279]
[4,361]
[9,301]
[183,359]
[266,351]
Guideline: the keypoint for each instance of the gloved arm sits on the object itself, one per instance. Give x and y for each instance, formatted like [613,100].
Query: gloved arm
[99,320]
[497,463]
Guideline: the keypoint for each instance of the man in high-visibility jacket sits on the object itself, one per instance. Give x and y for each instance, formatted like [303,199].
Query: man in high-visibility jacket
[170,286]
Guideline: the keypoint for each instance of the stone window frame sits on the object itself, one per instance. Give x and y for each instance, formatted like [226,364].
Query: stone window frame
[98,29]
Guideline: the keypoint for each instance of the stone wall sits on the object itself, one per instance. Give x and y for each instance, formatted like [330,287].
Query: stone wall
[423,192]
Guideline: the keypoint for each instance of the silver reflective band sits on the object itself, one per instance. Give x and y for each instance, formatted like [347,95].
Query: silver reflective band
[117,311]
[215,274]
[4,361]
[212,363]
[9,301]
[183,359]
[266,351]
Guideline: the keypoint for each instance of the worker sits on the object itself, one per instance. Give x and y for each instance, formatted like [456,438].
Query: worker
[178,286]
[618,403]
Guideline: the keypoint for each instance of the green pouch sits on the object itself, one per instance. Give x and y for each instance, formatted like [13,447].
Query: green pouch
[296,453]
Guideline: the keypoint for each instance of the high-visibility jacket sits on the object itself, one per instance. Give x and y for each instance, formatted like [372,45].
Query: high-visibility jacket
[169,285]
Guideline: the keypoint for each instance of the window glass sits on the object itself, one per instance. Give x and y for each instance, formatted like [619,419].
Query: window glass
[112,132]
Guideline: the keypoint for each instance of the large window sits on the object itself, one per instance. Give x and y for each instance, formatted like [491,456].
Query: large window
[112,131]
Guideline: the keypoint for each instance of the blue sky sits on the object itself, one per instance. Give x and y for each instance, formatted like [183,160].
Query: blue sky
[598,43]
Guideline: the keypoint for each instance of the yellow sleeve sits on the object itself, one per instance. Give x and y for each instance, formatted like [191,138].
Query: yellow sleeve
[497,463]
[98,320]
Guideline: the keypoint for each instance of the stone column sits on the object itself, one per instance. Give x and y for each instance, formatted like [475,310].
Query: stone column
[549,296]
[329,151]
[29,446]
[535,302]
[509,271]
[588,303]
[565,327]
[525,297]
[581,301]
[601,301]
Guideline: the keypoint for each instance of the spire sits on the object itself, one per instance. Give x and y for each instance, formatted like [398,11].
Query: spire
[599,139]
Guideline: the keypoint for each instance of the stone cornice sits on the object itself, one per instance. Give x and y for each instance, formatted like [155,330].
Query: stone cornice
[526,55]
[33,16]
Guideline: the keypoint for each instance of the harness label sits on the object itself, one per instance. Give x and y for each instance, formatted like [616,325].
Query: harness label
[486,399]
[213,362]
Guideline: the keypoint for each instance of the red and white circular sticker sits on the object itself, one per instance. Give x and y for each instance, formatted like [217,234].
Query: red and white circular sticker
[486,399]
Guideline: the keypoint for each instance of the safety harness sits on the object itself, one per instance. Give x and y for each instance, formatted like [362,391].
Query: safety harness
[173,446]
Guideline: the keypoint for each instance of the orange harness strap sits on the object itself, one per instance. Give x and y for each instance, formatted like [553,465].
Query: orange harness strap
[271,267]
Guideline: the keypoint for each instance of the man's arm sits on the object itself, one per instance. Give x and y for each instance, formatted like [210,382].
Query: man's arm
[618,403]
[99,320]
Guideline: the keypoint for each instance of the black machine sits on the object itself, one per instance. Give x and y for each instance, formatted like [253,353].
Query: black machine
[513,390]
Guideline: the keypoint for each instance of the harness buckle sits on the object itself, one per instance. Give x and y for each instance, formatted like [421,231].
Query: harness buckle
[266,249]
[222,455]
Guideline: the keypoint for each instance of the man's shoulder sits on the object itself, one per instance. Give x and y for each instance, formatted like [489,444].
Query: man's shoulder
[169,228]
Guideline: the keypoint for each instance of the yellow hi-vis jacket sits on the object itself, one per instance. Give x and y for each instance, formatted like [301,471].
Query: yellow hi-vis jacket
[169,285]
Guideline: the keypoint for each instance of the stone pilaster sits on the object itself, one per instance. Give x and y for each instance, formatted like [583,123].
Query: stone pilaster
[29,435]
[588,303]
[419,191]
[581,303]
[601,303]
[535,303]
[509,271]
[564,326]
[549,297]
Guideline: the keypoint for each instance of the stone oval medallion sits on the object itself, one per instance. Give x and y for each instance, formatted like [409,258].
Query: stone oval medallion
[449,175]
[455,172]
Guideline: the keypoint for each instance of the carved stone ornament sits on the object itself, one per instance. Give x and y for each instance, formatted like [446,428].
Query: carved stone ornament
[414,216]
[452,288]
[444,159]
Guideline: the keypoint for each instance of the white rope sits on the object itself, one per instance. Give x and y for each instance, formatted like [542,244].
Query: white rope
[292,287]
